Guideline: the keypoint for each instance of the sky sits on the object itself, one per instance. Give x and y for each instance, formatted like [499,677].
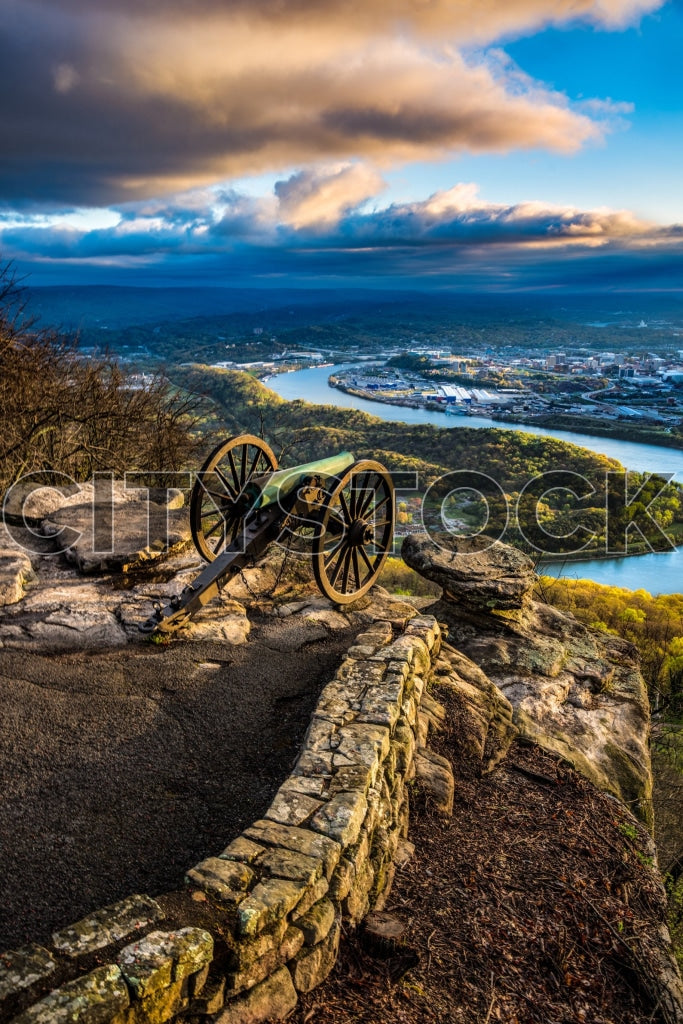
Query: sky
[502,145]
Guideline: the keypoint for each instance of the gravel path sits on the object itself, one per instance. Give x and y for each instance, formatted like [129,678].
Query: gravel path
[120,770]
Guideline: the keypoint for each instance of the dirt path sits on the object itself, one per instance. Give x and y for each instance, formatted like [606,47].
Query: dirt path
[120,770]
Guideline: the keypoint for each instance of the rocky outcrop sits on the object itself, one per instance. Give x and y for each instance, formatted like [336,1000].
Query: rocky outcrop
[260,921]
[478,575]
[573,690]
[122,531]
[16,571]
[103,528]
[486,715]
[54,609]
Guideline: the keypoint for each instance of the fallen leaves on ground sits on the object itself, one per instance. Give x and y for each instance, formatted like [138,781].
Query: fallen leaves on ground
[526,907]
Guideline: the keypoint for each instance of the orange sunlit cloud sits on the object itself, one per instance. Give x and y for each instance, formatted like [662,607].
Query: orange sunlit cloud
[129,99]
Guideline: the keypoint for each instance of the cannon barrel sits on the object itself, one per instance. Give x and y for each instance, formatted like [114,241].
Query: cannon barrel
[273,487]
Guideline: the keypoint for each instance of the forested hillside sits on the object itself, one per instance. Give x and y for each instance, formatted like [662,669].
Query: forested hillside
[653,624]
[553,520]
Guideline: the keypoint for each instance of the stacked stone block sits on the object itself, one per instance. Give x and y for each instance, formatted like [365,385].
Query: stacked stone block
[278,896]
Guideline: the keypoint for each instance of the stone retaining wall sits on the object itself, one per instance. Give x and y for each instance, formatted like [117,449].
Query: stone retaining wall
[261,921]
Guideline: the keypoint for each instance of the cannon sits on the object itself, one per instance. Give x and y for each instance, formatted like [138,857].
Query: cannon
[340,508]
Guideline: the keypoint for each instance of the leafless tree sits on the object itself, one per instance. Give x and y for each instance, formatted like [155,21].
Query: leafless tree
[61,412]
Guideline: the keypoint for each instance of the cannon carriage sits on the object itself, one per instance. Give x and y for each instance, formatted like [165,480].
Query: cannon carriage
[340,509]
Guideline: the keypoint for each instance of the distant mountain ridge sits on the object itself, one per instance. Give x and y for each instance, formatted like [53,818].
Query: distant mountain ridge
[73,306]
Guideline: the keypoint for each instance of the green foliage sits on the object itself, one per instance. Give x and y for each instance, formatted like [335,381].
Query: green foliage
[160,639]
[398,578]
[653,624]
[628,830]
[410,361]
[300,432]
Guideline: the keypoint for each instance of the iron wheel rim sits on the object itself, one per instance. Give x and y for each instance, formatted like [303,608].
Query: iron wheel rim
[217,503]
[356,532]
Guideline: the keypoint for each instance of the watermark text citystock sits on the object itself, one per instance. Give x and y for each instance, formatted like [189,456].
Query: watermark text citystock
[554,513]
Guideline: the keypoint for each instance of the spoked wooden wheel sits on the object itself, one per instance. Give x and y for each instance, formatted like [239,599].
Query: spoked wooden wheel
[218,505]
[356,532]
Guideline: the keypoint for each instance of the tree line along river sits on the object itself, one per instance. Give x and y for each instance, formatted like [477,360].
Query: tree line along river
[660,573]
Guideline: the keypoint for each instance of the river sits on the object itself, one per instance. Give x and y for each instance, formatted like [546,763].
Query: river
[660,573]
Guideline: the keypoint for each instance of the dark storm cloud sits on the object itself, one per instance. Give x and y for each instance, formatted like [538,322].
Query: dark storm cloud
[110,101]
[487,18]
[320,221]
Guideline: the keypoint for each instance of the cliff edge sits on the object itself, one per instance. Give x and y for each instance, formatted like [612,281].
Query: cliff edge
[538,898]
[573,690]
[479,771]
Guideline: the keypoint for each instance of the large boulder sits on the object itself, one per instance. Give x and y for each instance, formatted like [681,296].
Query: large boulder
[573,690]
[63,614]
[15,572]
[477,573]
[127,530]
[33,502]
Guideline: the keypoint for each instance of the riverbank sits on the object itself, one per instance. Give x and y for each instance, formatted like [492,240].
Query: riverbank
[311,385]
[553,421]
[599,428]
[661,572]
[658,573]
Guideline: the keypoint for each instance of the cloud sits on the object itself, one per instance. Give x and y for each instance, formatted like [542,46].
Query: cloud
[460,19]
[458,216]
[65,78]
[320,198]
[130,99]
[327,225]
